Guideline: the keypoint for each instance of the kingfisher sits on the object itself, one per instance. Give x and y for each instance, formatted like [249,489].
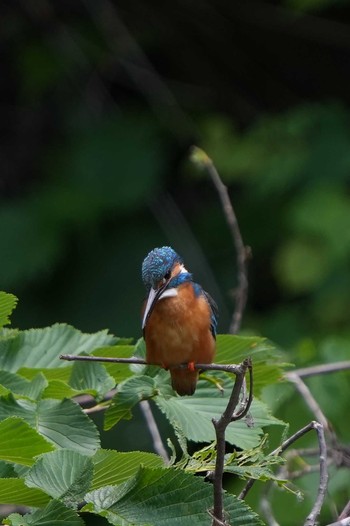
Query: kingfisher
[179,319]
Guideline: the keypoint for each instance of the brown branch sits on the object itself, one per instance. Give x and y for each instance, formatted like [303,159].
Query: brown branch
[228,368]
[322,369]
[199,157]
[220,426]
[322,487]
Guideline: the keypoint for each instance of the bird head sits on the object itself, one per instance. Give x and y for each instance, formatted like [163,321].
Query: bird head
[159,268]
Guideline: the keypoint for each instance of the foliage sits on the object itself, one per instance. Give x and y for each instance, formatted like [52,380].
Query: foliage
[50,454]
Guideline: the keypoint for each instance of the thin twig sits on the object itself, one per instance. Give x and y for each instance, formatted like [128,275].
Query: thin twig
[154,431]
[228,368]
[266,508]
[346,512]
[312,517]
[308,398]
[342,522]
[220,426]
[322,369]
[322,487]
[278,451]
[201,158]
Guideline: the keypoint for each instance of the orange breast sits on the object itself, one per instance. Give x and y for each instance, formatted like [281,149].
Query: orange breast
[178,330]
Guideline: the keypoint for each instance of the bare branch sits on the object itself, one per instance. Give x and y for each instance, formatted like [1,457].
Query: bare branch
[202,159]
[342,522]
[220,426]
[154,431]
[308,398]
[228,368]
[278,451]
[322,487]
[322,369]
[345,514]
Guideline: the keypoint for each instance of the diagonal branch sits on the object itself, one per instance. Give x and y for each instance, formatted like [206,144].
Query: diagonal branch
[199,157]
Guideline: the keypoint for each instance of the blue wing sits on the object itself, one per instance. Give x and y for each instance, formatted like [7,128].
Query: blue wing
[214,311]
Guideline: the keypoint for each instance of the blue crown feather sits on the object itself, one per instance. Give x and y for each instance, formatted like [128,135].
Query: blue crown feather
[157,263]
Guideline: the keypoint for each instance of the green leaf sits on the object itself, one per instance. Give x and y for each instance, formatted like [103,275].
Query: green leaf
[41,348]
[19,443]
[267,365]
[165,497]
[67,426]
[7,470]
[62,422]
[113,467]
[91,377]
[64,475]
[119,371]
[193,416]
[129,393]
[54,514]
[14,491]
[21,386]
[7,303]
[59,389]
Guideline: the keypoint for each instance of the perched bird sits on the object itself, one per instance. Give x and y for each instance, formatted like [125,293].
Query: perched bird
[179,319]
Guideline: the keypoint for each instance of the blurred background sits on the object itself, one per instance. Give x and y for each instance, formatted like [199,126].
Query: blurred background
[100,104]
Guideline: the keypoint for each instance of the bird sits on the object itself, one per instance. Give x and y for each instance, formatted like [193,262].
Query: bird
[179,319]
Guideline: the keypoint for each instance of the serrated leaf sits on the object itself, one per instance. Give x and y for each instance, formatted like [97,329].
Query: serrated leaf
[19,443]
[267,366]
[165,497]
[67,426]
[193,416]
[91,377]
[64,475]
[119,371]
[62,422]
[41,348]
[21,386]
[59,389]
[14,491]
[7,303]
[129,393]
[54,514]
[113,467]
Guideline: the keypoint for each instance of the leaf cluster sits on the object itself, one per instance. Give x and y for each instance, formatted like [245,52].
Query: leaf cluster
[51,460]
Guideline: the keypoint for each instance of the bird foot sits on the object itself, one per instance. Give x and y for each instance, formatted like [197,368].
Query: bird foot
[191,367]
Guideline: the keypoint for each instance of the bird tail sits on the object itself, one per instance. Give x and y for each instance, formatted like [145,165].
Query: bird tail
[184,381]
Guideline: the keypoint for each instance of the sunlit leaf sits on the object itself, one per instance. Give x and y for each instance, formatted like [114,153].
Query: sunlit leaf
[7,303]
[19,443]
[41,348]
[63,474]
[193,416]
[165,497]
[91,377]
[14,491]
[113,467]
[62,422]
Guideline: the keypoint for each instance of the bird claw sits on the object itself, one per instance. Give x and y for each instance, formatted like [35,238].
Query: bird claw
[191,367]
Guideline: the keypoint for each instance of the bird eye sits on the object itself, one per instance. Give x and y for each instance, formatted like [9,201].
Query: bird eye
[167,275]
